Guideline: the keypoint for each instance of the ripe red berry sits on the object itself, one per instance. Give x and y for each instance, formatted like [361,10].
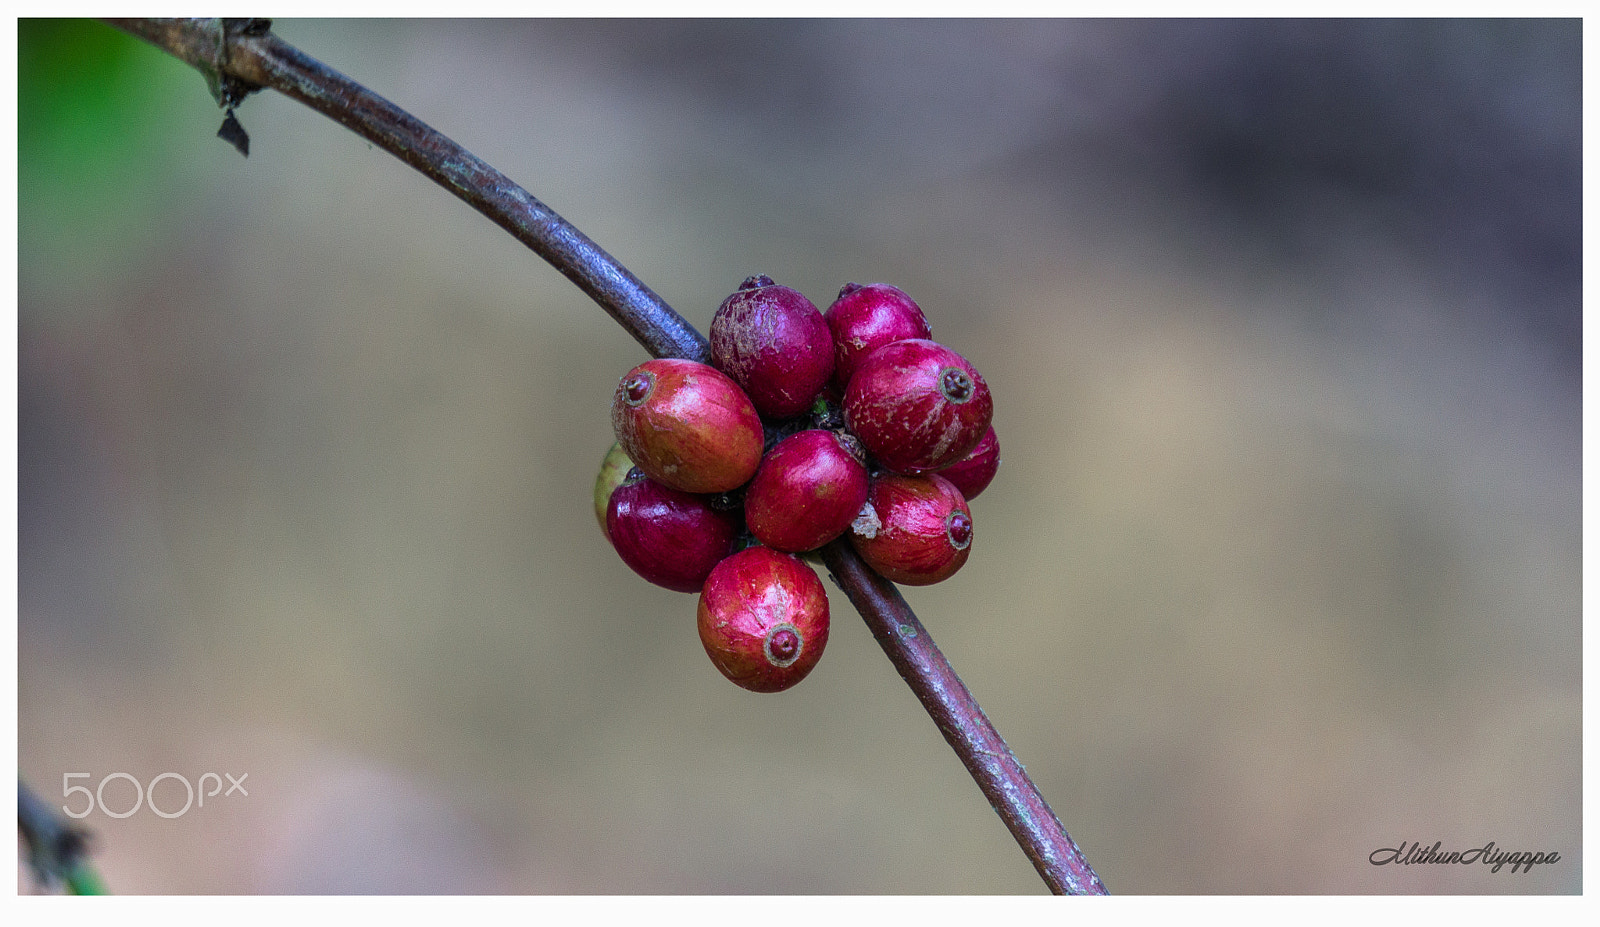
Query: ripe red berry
[917,406]
[613,470]
[775,344]
[763,619]
[865,318]
[809,488]
[921,532]
[686,425]
[972,473]
[669,537]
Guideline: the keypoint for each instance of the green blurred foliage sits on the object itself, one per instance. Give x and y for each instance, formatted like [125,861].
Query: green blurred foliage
[96,165]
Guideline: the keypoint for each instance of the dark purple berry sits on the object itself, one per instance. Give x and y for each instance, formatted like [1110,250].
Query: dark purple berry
[669,537]
[775,344]
[972,473]
[865,318]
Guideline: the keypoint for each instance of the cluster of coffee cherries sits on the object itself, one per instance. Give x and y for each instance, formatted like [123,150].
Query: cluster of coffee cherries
[805,426]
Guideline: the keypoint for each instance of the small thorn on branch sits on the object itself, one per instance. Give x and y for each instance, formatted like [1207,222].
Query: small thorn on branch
[234,134]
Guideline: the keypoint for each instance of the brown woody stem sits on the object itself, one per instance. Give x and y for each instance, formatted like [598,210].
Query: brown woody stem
[241,56]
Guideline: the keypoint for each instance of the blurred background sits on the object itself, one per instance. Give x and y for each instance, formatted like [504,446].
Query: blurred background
[1282,567]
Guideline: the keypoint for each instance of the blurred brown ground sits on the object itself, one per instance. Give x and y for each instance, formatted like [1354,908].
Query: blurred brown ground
[1282,567]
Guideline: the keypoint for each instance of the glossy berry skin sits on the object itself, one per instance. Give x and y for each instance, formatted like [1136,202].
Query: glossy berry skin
[687,426]
[921,533]
[809,488]
[917,406]
[865,318]
[763,619]
[613,470]
[669,537]
[775,344]
[973,473]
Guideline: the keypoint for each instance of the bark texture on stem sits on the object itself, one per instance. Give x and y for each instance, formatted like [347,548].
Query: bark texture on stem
[962,721]
[241,56]
[265,60]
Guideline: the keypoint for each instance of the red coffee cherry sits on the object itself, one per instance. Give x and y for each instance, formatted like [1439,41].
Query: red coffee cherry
[687,426]
[775,344]
[865,318]
[919,531]
[809,488]
[763,619]
[972,473]
[613,470]
[669,537]
[917,406]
